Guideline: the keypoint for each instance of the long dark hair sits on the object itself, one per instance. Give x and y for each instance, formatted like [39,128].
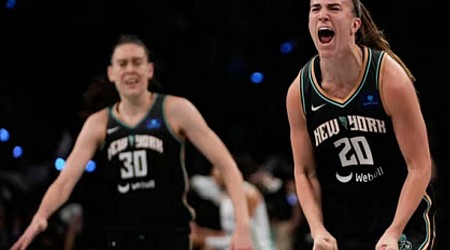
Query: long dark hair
[371,36]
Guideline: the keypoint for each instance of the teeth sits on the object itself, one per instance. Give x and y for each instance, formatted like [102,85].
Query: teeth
[131,80]
[324,28]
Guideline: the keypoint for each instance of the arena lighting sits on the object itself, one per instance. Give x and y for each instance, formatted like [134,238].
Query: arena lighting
[257,77]
[60,163]
[286,48]
[4,135]
[17,152]
[10,4]
[91,166]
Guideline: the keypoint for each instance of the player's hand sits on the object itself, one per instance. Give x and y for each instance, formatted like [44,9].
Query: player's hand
[324,241]
[388,241]
[36,226]
[242,239]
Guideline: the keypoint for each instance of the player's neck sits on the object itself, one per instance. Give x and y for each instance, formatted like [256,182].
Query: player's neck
[132,111]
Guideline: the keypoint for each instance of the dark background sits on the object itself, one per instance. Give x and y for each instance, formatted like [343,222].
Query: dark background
[205,51]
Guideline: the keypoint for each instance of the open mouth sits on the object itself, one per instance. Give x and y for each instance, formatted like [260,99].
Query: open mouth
[325,35]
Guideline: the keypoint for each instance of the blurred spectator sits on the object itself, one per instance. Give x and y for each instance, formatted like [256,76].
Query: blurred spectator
[212,188]
[275,179]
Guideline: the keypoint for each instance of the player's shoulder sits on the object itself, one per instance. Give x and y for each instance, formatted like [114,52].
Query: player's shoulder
[174,98]
[393,74]
[98,117]
[173,103]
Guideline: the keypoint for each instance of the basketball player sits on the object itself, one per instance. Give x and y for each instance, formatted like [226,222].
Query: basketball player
[141,139]
[359,140]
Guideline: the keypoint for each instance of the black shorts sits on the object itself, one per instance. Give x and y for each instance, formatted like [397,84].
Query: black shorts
[357,230]
[419,233]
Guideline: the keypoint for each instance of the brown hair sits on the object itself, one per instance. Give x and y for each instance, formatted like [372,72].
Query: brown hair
[371,36]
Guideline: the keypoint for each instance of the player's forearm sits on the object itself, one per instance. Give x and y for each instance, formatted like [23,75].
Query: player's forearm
[308,191]
[242,216]
[412,193]
[235,187]
[56,195]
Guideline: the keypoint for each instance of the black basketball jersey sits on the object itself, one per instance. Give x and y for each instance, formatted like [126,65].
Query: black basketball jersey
[358,161]
[144,174]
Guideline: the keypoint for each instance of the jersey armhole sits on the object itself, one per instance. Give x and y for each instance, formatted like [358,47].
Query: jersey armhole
[379,79]
[301,90]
